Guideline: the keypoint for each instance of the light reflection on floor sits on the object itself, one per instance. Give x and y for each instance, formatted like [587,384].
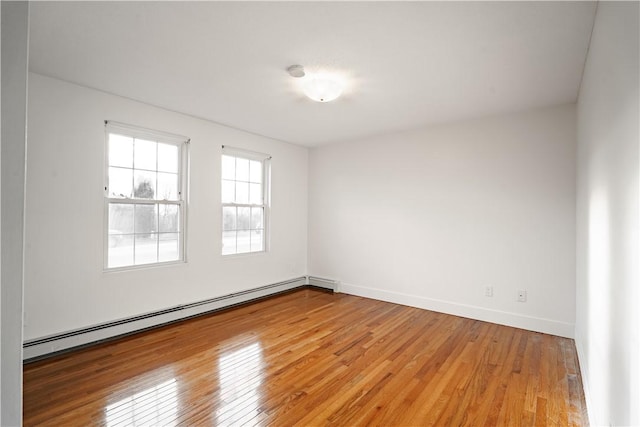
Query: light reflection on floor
[240,379]
[155,406]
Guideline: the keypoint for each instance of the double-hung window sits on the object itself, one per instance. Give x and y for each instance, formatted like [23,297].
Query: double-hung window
[245,197]
[145,193]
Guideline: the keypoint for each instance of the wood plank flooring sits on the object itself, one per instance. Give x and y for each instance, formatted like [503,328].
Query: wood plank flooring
[313,358]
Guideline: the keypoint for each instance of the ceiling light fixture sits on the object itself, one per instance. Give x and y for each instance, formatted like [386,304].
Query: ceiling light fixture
[321,87]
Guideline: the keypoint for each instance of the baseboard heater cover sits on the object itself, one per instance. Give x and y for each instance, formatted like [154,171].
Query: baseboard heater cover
[321,282]
[47,346]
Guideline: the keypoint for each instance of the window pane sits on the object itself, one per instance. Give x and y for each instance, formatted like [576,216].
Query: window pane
[243,221]
[120,218]
[120,150]
[146,219]
[256,240]
[120,252]
[169,218]
[255,194]
[144,185]
[228,167]
[228,191]
[120,182]
[228,218]
[145,154]
[169,247]
[255,171]
[168,157]
[146,250]
[244,242]
[167,186]
[228,242]
[147,228]
[242,192]
[242,183]
[256,218]
[242,169]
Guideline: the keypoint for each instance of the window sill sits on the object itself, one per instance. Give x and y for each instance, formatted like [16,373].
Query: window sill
[243,255]
[143,266]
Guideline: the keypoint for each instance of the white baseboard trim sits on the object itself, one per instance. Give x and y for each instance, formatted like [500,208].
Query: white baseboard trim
[582,360]
[41,347]
[516,320]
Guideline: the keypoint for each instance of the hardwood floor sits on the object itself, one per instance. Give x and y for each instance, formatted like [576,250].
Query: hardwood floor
[313,358]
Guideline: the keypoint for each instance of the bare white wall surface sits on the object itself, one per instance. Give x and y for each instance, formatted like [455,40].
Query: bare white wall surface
[15,44]
[608,218]
[1,215]
[430,218]
[65,285]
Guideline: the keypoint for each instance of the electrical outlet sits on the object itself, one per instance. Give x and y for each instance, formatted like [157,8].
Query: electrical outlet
[488,291]
[522,295]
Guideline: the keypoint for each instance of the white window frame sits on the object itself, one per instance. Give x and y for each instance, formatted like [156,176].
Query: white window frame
[265,159]
[182,143]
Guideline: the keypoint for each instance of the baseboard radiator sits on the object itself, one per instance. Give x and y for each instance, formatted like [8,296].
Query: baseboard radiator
[53,344]
[320,282]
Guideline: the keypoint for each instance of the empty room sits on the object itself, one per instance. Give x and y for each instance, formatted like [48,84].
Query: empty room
[312,213]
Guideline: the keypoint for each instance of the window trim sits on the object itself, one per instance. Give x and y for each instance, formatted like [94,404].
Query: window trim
[183,143]
[265,159]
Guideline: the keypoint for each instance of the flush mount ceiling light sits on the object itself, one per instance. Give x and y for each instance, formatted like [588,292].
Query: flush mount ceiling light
[321,86]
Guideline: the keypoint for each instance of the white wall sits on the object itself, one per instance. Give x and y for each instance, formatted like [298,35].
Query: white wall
[429,218]
[608,216]
[15,41]
[1,354]
[65,286]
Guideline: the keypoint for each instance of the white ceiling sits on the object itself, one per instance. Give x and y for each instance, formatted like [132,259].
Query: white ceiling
[409,64]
